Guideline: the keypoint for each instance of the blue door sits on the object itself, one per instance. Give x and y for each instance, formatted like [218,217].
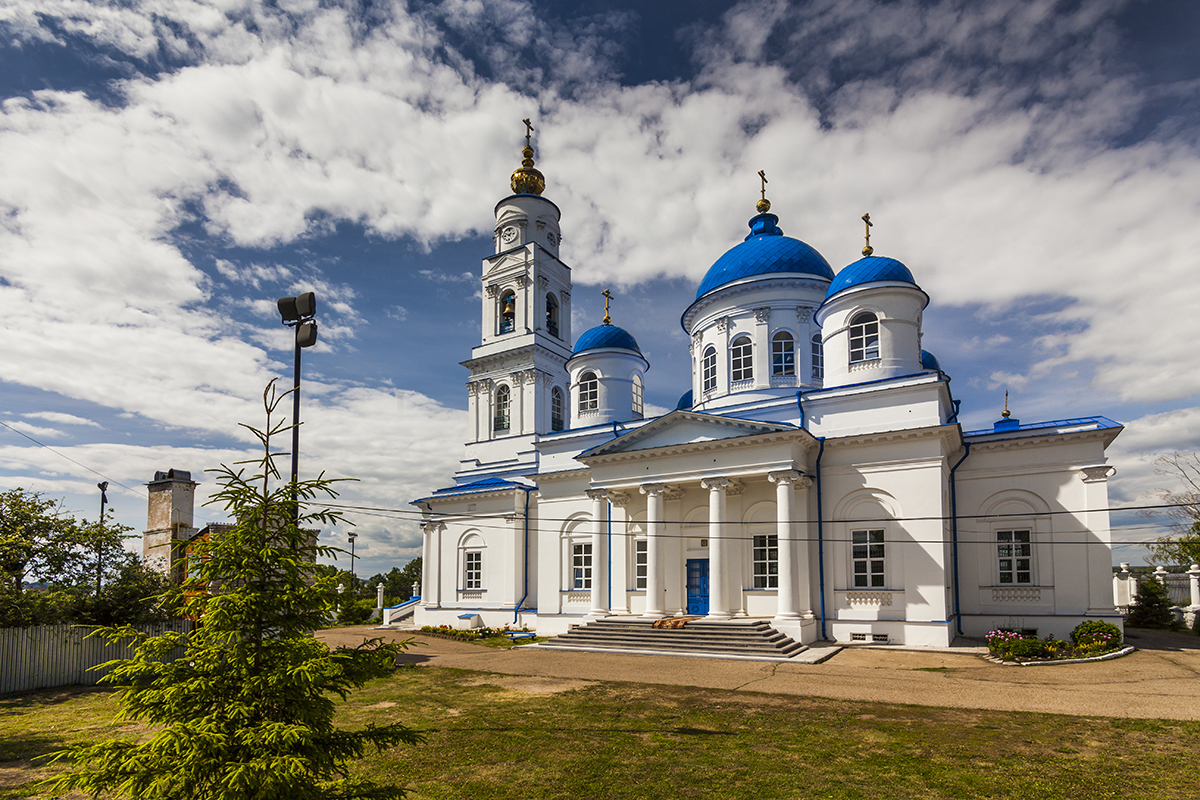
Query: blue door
[697,585]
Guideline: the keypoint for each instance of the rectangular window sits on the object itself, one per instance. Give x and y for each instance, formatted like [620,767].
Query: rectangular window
[766,561]
[473,570]
[581,566]
[867,556]
[1015,553]
[639,564]
[818,359]
[864,339]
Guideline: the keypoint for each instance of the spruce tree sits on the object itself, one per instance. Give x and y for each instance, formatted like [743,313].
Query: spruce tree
[243,705]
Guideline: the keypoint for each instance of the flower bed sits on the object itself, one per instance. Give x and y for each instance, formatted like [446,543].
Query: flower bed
[1088,640]
[470,634]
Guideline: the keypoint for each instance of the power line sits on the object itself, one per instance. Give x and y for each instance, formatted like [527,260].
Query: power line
[421,515]
[68,458]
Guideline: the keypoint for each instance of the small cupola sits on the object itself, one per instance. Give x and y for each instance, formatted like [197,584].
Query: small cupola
[871,321]
[607,372]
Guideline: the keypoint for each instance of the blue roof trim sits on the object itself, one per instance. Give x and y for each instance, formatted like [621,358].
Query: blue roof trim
[606,336]
[1101,423]
[482,485]
[872,269]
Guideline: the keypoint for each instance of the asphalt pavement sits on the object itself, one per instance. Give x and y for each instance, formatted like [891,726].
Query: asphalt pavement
[1160,680]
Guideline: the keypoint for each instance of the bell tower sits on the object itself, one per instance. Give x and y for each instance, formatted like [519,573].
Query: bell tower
[518,386]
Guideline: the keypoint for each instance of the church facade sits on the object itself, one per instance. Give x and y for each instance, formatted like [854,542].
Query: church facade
[815,474]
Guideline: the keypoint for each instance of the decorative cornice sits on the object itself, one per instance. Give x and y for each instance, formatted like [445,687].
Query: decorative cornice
[492,289]
[803,436]
[1031,441]
[804,313]
[674,493]
[762,314]
[560,475]
[714,484]
[517,354]
[618,499]
[725,292]
[597,494]
[1097,474]
[651,489]
[790,476]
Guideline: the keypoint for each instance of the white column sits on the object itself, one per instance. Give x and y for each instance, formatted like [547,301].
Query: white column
[432,567]
[785,509]
[1194,579]
[654,547]
[599,499]
[718,595]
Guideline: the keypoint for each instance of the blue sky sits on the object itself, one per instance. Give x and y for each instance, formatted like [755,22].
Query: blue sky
[170,168]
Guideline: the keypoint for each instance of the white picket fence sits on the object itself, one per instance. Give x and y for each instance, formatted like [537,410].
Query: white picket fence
[46,656]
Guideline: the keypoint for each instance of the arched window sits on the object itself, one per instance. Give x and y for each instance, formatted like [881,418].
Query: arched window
[551,315]
[708,369]
[503,404]
[742,354]
[589,392]
[470,559]
[864,338]
[818,358]
[783,354]
[556,409]
[507,316]
[637,395]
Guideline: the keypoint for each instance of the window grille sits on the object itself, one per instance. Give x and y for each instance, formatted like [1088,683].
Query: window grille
[742,354]
[1015,553]
[709,370]
[503,407]
[864,338]
[766,561]
[473,570]
[783,354]
[556,409]
[581,566]
[818,358]
[589,392]
[867,554]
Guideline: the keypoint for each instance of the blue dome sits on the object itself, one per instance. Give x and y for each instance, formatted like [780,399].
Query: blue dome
[685,402]
[606,336]
[765,251]
[872,269]
[929,361]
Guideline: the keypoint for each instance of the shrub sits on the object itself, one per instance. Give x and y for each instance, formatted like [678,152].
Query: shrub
[356,612]
[1152,606]
[1096,634]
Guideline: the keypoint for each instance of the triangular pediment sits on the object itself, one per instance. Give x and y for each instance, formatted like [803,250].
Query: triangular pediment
[680,428]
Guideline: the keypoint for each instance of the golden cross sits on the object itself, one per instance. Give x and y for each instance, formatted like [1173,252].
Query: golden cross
[763,174]
[1006,413]
[528,130]
[607,296]
[868,249]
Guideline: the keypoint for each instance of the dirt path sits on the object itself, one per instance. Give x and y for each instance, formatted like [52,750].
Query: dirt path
[1160,681]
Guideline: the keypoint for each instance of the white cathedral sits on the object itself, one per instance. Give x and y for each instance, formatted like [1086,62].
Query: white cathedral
[815,476]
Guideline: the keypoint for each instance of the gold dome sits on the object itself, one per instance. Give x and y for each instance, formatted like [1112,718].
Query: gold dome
[526,179]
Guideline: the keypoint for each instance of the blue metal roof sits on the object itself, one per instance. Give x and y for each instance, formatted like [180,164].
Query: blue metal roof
[606,336]
[685,402]
[765,251]
[1100,423]
[872,269]
[482,485]
[929,361]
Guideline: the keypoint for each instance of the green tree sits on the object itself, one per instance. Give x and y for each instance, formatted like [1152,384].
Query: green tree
[1152,606]
[37,539]
[398,583]
[1183,548]
[247,711]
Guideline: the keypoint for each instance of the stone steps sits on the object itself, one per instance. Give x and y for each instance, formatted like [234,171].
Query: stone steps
[749,639]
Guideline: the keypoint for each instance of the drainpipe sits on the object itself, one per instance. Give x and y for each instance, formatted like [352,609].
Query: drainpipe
[821,536]
[954,534]
[800,405]
[525,571]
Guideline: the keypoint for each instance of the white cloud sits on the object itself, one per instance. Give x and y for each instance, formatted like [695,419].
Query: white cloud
[61,419]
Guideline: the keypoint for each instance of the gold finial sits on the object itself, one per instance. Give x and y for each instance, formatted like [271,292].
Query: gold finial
[607,297]
[868,249]
[527,179]
[1006,413]
[763,205]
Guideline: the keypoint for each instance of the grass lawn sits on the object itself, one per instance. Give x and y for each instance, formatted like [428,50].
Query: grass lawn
[497,736]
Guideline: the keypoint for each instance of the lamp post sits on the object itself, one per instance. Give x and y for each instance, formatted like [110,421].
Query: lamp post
[103,487]
[353,580]
[298,313]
